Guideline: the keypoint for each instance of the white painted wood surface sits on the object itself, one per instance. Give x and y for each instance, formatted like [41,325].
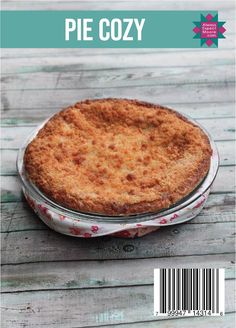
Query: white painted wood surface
[50,280]
[94,274]
[85,307]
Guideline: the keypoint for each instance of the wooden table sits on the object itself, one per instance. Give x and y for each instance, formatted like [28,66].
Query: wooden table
[51,280]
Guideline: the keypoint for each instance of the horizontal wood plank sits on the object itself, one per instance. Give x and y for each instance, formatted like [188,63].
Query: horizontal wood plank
[8,53]
[115,5]
[96,274]
[184,239]
[32,116]
[207,59]
[8,156]
[116,78]
[19,217]
[227,321]
[219,128]
[86,307]
[111,1]
[203,92]
[225,182]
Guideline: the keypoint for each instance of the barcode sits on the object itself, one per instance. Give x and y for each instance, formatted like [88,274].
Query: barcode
[188,292]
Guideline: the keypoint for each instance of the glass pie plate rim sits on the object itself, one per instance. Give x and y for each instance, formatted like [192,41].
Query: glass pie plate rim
[199,190]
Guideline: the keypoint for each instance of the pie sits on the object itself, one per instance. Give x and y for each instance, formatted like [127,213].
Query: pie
[117,157]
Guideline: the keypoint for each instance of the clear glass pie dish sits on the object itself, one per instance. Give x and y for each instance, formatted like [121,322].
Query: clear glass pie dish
[86,225]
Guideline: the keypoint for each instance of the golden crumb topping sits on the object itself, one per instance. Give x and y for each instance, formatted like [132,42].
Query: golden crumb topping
[117,156]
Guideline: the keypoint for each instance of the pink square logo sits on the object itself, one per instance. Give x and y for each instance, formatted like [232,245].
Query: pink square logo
[209,30]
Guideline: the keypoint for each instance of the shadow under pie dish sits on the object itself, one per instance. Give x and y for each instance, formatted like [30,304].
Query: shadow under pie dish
[117,159]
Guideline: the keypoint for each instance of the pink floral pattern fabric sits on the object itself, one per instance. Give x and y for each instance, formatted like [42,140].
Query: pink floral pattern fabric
[80,228]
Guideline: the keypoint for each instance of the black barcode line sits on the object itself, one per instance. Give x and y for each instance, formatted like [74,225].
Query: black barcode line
[164,291]
[161,292]
[169,289]
[173,288]
[190,290]
[203,289]
[198,288]
[209,291]
[183,287]
[178,289]
[213,292]
[206,290]
[217,290]
[194,289]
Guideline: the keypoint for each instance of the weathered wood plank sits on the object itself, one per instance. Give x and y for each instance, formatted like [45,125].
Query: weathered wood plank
[219,128]
[227,321]
[8,161]
[8,53]
[17,53]
[225,182]
[86,307]
[8,156]
[96,274]
[107,78]
[31,116]
[184,239]
[116,5]
[111,1]
[14,138]
[225,149]
[207,59]
[202,92]
[18,216]
[226,175]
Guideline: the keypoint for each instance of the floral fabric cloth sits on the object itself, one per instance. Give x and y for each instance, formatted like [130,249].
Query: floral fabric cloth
[86,229]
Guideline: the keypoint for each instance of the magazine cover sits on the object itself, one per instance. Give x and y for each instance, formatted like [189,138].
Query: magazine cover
[118,164]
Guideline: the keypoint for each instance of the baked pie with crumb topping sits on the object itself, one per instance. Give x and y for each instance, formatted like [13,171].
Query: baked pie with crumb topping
[117,156]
